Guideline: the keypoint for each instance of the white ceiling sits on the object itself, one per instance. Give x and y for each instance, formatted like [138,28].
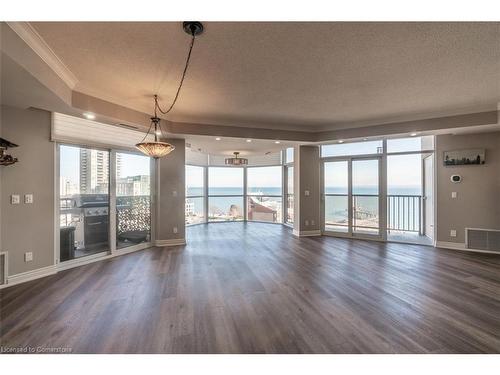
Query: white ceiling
[284,75]
[228,145]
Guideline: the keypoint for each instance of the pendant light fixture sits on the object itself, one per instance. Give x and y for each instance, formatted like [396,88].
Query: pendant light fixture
[158,149]
[236,160]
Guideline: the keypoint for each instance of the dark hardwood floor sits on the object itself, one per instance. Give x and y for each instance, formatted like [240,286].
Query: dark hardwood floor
[254,288]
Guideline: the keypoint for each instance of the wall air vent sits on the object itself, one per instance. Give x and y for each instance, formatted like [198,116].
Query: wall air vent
[482,239]
[3,268]
[128,126]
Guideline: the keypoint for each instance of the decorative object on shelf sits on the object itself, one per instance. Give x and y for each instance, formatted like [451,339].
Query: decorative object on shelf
[236,160]
[6,159]
[158,149]
[464,157]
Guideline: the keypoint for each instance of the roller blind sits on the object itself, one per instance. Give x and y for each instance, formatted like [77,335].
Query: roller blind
[77,130]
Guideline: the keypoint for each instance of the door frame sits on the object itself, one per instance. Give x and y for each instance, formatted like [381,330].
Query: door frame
[381,236]
[111,250]
[432,156]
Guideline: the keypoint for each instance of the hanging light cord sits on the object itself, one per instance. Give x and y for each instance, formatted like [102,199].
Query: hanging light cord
[157,106]
[182,79]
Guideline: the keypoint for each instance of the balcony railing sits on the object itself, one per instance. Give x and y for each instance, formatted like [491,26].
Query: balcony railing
[133,212]
[404,213]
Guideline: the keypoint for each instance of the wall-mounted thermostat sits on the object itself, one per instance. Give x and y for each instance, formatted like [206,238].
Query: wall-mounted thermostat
[456,178]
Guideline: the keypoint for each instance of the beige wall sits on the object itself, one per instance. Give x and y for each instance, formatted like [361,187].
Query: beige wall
[28,227]
[478,195]
[307,208]
[171,193]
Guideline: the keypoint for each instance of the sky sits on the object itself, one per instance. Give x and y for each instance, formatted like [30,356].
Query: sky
[402,170]
[132,164]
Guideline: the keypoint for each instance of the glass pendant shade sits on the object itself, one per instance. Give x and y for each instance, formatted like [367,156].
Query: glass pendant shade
[156,149]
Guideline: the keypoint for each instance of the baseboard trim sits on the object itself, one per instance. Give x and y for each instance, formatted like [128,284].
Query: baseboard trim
[306,233]
[30,275]
[173,242]
[461,247]
[53,269]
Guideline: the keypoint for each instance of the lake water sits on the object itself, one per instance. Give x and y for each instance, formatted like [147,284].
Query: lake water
[335,207]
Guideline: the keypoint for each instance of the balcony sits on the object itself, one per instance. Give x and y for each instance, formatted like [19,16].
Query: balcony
[405,219]
[84,223]
[404,216]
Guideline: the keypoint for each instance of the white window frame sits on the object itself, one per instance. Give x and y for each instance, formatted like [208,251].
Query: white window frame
[382,187]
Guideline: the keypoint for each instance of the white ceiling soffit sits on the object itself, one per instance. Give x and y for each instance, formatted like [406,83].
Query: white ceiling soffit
[81,131]
[31,37]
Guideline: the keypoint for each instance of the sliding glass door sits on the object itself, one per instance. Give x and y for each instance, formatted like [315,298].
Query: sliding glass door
[365,196]
[104,201]
[336,196]
[83,201]
[351,203]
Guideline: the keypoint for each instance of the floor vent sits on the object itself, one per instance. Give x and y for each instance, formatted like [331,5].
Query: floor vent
[3,268]
[483,239]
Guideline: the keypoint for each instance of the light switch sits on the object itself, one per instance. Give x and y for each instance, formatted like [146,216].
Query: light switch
[15,199]
[306,193]
[28,198]
[453,194]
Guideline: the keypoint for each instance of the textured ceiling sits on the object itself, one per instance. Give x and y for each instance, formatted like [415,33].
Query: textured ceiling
[305,76]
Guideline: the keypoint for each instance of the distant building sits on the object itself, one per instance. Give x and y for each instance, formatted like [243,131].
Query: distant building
[133,185]
[94,171]
[189,208]
[259,211]
[67,187]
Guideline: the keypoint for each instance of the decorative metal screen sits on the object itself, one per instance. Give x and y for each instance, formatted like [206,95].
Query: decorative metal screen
[133,213]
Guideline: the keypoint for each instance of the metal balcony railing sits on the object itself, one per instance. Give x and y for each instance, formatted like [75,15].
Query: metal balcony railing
[404,213]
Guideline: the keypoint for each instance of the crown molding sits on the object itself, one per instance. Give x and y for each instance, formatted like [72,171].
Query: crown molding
[31,37]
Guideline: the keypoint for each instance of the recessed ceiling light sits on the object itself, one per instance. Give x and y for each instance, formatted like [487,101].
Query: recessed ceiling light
[217,139]
[365,139]
[341,141]
[413,134]
[249,140]
[277,142]
[89,116]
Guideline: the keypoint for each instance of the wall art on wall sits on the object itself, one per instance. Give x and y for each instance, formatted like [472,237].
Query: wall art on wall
[464,157]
